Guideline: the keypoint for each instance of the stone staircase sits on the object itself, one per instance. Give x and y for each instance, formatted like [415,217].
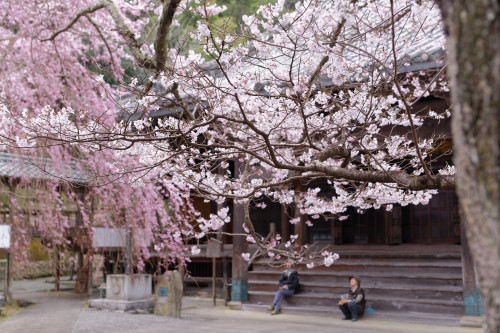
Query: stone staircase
[411,286]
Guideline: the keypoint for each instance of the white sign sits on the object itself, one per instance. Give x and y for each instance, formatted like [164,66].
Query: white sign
[4,236]
[117,237]
[112,237]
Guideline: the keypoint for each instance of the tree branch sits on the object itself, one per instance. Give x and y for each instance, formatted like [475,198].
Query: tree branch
[403,97]
[161,42]
[124,31]
[81,13]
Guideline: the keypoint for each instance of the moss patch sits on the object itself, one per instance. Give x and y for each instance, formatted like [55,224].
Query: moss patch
[9,310]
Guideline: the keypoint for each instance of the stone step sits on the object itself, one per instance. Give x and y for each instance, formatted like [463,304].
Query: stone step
[381,282]
[414,286]
[396,279]
[371,262]
[397,316]
[382,277]
[415,262]
[378,303]
[407,290]
[386,267]
[394,254]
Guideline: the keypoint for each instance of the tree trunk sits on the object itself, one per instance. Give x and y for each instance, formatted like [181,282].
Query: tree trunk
[473,29]
[82,275]
[57,264]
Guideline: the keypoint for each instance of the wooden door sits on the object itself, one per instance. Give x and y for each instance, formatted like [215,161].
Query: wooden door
[431,223]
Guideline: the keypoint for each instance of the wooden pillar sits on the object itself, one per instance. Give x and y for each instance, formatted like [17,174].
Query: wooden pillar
[214,281]
[239,286]
[116,259]
[72,268]
[128,251]
[239,290]
[393,228]
[225,278]
[285,225]
[214,251]
[300,228]
[220,236]
[12,212]
[91,276]
[8,294]
[272,229]
[336,230]
[457,226]
[83,245]
[221,240]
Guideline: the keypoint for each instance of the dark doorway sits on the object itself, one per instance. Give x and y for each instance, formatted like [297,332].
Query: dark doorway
[431,223]
[364,228]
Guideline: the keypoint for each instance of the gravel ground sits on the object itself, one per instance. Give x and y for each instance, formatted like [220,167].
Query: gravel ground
[47,312]
[220,319]
[41,284]
[65,312]
[193,321]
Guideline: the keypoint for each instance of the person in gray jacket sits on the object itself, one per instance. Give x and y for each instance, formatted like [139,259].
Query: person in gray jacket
[353,303]
[289,283]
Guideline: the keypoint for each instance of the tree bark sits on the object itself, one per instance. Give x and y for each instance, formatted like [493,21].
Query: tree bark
[473,29]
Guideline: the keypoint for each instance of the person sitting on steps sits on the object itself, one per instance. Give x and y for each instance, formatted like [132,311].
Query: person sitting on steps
[353,303]
[289,282]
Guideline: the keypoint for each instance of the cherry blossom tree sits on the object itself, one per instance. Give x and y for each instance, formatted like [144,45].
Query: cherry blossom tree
[47,49]
[318,93]
[473,28]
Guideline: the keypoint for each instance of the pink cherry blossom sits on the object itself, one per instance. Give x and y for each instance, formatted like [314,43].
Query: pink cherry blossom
[318,94]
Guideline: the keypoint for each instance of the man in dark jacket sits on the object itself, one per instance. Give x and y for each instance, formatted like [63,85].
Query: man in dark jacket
[289,283]
[353,303]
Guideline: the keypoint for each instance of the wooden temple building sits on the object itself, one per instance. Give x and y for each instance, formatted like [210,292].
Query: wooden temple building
[413,261]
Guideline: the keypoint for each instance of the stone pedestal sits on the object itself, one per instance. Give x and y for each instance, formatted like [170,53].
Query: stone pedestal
[235,305]
[128,287]
[472,321]
[168,295]
[126,292]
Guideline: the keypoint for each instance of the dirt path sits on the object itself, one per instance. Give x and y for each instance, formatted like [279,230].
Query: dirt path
[48,312]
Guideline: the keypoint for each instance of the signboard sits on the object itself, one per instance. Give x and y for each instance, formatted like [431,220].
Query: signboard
[473,302]
[116,237]
[109,237]
[163,291]
[4,236]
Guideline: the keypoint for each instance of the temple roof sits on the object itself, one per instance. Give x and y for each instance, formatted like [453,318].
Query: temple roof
[34,167]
